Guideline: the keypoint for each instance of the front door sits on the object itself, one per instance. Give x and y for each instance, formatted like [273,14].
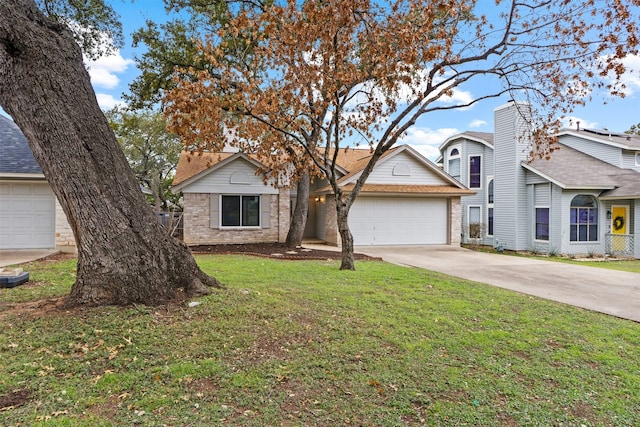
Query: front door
[619,227]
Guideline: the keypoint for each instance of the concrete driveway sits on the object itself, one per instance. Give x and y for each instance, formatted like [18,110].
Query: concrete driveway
[607,291]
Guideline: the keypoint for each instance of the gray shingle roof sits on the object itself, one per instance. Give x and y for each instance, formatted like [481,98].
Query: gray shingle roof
[15,154]
[485,136]
[571,168]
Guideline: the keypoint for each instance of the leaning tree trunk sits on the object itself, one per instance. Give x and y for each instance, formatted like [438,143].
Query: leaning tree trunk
[348,260]
[124,256]
[299,217]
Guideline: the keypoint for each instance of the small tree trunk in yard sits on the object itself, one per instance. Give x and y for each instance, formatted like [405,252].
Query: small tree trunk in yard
[124,255]
[348,260]
[300,212]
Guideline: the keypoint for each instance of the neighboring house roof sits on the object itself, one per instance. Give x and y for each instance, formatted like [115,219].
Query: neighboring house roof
[352,161]
[194,165]
[572,169]
[16,157]
[616,139]
[485,138]
[347,182]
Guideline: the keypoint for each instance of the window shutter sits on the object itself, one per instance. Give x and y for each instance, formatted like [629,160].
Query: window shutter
[265,201]
[214,210]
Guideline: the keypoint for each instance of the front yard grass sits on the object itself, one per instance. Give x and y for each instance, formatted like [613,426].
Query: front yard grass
[301,343]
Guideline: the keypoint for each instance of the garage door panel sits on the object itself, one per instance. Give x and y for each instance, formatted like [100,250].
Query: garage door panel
[393,221]
[27,216]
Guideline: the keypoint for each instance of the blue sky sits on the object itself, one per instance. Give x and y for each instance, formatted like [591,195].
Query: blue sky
[112,75]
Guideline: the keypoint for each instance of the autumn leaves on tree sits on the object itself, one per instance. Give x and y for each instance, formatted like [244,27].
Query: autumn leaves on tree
[313,78]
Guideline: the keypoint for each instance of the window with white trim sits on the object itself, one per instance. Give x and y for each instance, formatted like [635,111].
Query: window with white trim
[490,206]
[542,223]
[583,219]
[240,211]
[475,171]
[453,168]
[474,222]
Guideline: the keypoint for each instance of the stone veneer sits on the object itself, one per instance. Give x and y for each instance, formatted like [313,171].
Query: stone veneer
[65,241]
[197,229]
[455,221]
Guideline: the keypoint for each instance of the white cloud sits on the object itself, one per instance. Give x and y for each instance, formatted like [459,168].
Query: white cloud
[104,70]
[477,123]
[631,78]
[572,123]
[107,101]
[426,140]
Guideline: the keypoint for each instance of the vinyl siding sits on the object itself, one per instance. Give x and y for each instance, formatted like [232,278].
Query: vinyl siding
[219,181]
[636,227]
[418,172]
[606,153]
[556,233]
[510,149]
[629,160]
[472,148]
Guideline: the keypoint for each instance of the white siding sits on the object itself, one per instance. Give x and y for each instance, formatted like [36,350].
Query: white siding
[219,181]
[419,173]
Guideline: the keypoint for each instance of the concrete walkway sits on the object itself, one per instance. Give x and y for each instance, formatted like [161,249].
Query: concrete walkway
[607,291]
[20,256]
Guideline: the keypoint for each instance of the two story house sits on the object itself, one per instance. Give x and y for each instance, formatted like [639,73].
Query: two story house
[583,200]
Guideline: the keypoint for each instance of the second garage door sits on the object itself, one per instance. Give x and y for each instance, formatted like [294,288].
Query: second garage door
[27,216]
[399,221]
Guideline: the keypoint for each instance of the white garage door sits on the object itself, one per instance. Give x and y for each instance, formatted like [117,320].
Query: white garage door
[27,216]
[398,221]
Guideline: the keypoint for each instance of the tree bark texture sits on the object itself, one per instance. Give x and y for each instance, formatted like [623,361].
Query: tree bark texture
[300,212]
[124,256]
[348,259]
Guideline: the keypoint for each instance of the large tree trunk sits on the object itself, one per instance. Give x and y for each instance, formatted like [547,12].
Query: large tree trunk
[300,212]
[124,256]
[348,260]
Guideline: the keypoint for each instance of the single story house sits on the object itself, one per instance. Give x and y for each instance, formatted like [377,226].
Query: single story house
[30,215]
[583,200]
[407,200]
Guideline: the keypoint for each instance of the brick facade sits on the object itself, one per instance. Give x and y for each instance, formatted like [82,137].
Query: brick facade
[197,224]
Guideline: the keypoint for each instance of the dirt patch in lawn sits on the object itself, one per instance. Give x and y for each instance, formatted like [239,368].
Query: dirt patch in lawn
[14,399]
[274,250]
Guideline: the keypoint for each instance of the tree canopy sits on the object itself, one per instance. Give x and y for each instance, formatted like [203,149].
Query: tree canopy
[151,150]
[362,73]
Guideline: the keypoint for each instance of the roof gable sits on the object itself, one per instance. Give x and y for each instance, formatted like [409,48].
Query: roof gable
[195,166]
[484,138]
[439,175]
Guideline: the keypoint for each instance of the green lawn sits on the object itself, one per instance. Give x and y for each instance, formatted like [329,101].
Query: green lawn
[301,343]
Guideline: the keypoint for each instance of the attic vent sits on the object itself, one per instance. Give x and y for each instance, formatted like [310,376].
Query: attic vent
[401,169]
[239,177]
